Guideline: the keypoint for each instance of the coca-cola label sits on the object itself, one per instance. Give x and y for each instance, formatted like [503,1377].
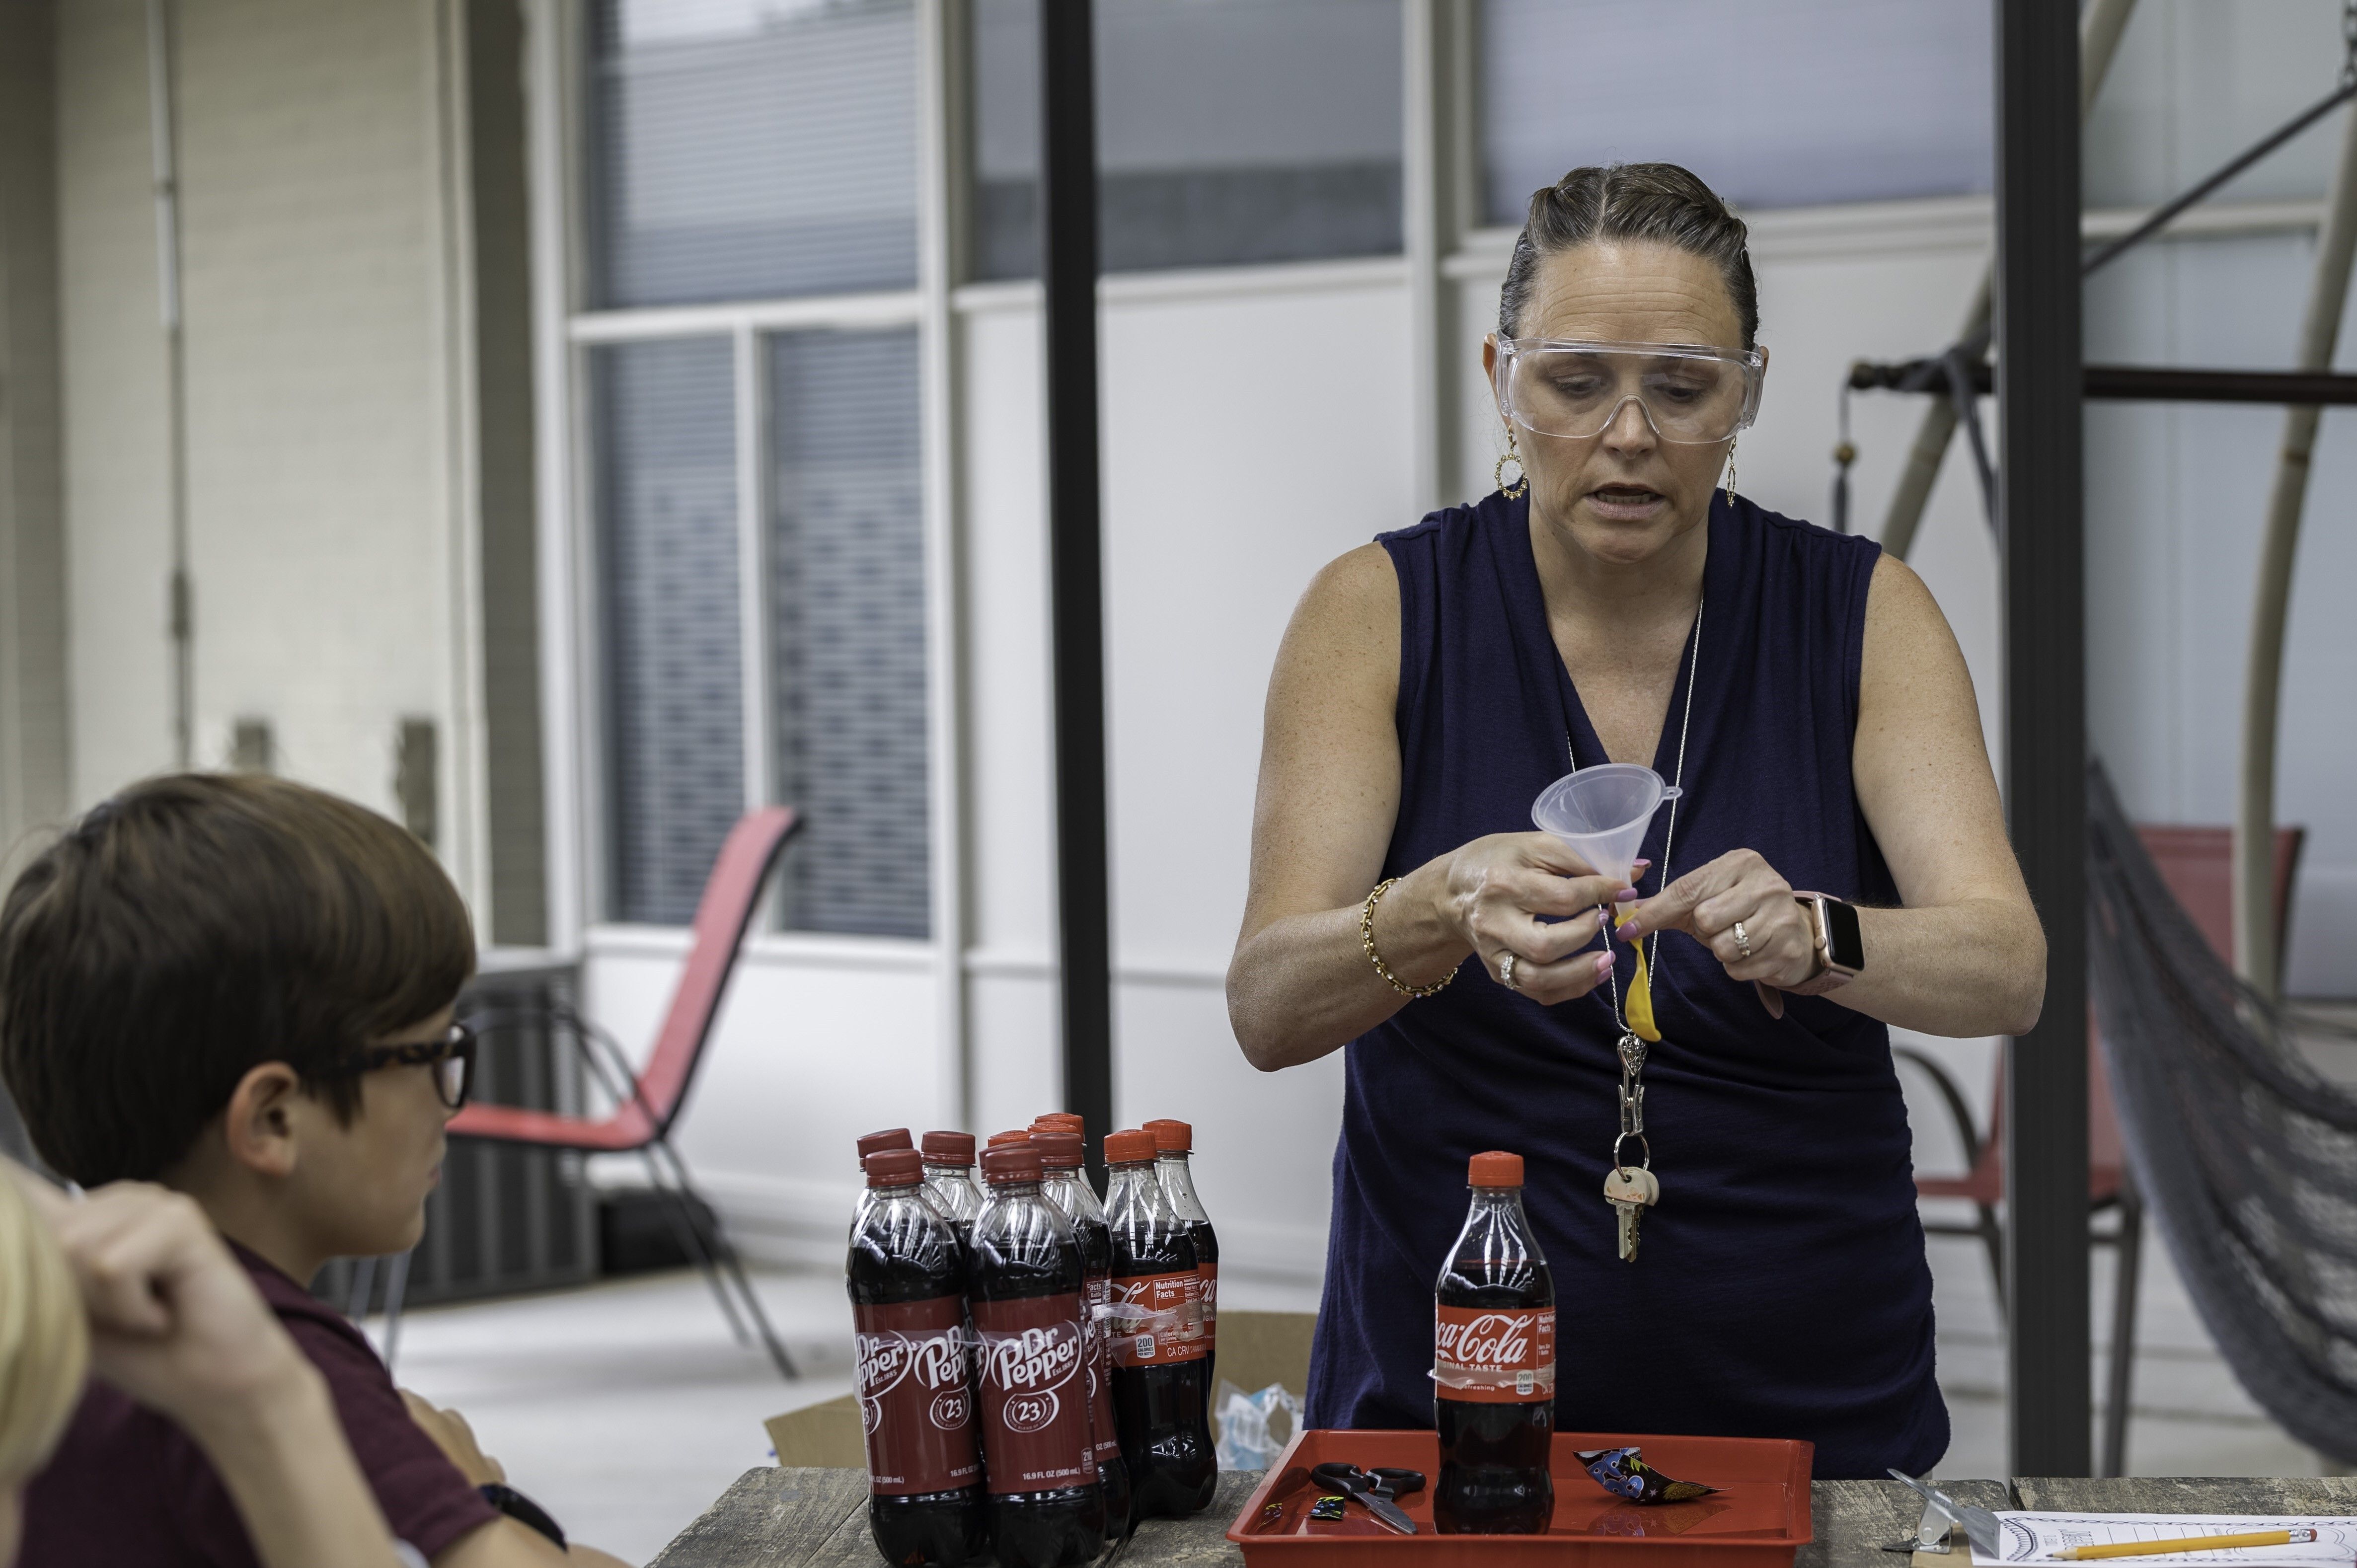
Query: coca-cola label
[1211,1273]
[1035,1393]
[1100,1290]
[913,1396]
[1159,1320]
[1494,1354]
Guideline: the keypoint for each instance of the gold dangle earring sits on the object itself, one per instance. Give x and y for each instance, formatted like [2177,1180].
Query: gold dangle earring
[1522,484]
[1730,473]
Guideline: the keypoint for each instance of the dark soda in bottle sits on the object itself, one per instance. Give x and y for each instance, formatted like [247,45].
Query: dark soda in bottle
[906,1278]
[1024,1288]
[1160,1400]
[1173,1143]
[948,1179]
[1065,1184]
[1493,1365]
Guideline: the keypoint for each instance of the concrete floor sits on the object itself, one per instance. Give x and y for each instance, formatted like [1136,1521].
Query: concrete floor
[626,1408]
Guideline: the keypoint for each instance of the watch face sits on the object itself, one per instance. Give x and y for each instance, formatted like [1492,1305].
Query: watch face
[1843,944]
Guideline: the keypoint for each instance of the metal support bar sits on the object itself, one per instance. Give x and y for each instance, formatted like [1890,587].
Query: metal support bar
[2256,956]
[2099,39]
[2041,510]
[1068,256]
[179,614]
[2134,383]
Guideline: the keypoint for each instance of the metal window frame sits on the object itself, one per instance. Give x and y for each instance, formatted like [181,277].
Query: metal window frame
[565,334]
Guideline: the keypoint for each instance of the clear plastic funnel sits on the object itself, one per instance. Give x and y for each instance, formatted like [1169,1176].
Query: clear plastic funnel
[1602,812]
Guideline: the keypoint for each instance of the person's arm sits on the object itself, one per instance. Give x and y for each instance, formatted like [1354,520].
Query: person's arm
[1964,953]
[1299,984]
[177,1324]
[504,1543]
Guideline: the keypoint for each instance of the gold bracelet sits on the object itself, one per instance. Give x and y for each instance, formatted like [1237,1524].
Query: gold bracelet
[1367,940]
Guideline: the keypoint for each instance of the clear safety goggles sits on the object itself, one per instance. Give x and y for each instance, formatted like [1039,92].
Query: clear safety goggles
[1689,393]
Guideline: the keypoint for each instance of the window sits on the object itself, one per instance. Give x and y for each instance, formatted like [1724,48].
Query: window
[750,149]
[1228,130]
[761,616]
[667,557]
[1787,105]
[847,629]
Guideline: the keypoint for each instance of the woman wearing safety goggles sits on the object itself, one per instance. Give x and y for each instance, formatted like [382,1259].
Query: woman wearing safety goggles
[1833,862]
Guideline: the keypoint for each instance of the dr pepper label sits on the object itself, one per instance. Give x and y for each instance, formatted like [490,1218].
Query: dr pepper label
[1035,1393]
[913,1397]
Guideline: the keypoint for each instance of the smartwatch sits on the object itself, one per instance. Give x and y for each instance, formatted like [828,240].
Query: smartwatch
[1833,928]
[523,1510]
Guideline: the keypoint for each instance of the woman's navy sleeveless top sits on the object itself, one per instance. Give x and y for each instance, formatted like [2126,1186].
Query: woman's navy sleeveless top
[1780,1288]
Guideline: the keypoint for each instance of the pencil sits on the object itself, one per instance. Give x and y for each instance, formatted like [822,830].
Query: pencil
[2188,1543]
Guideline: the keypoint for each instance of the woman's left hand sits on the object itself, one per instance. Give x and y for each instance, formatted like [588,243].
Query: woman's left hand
[1745,912]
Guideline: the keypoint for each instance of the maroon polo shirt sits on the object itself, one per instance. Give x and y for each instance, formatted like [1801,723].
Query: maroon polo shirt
[128,1489]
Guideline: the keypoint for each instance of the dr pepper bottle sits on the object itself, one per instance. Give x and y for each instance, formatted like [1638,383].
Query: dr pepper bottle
[1173,1143]
[1024,1288]
[907,1280]
[1160,1398]
[1065,1184]
[1493,1365]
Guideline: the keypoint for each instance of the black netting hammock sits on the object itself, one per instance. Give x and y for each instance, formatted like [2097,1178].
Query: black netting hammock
[2245,1155]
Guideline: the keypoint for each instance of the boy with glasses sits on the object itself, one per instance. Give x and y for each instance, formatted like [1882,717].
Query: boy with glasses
[242,988]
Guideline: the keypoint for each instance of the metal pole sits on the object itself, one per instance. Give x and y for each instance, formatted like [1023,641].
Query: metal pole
[2042,535]
[2256,958]
[2099,39]
[1068,257]
[179,613]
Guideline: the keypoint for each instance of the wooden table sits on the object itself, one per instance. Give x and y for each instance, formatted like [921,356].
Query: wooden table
[775,1518]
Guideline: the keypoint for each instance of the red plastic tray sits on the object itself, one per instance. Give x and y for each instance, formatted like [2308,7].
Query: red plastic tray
[1758,1519]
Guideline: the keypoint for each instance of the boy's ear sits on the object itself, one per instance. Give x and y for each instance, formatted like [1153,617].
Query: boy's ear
[258,1125]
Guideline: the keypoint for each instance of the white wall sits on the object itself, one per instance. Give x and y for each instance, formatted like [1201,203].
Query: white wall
[323,514]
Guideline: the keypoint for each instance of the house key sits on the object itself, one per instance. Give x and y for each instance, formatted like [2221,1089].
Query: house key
[1630,1190]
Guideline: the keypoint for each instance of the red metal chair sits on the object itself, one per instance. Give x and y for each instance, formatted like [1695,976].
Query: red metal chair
[2198,864]
[648,1103]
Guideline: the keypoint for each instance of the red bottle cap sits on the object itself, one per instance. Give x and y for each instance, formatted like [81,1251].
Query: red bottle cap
[1130,1147]
[1011,1162]
[1057,1151]
[890,1138]
[1060,1122]
[1013,1135]
[895,1167]
[1171,1137]
[950,1148]
[1495,1169]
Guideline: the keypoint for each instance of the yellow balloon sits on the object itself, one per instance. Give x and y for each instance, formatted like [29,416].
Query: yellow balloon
[1638,1007]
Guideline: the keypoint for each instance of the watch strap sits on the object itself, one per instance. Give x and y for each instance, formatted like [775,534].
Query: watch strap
[523,1509]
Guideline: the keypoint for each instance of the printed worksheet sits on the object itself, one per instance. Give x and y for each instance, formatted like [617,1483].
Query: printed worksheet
[2044,1536]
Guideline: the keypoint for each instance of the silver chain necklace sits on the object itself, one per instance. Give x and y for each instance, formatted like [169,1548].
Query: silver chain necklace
[1632,1190]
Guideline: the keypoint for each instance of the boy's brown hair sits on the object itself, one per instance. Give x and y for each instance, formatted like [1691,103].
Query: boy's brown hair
[194,927]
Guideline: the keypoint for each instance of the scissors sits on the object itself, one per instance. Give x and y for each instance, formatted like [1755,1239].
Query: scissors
[1375,1489]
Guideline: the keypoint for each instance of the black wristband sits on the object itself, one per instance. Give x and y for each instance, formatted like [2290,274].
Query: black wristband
[523,1510]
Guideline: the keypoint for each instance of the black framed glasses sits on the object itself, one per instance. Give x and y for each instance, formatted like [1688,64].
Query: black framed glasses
[452,1057]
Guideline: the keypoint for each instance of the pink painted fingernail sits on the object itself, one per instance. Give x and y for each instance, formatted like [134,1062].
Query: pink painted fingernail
[1627,896]
[1637,865]
[1603,964]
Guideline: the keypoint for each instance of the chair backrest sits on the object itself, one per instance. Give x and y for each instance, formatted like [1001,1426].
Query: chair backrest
[731,896]
[2197,861]
[2198,864]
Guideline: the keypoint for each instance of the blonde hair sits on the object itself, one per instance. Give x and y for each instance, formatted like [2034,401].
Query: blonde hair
[44,1343]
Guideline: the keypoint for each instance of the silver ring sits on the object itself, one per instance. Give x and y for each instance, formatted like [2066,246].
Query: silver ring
[1506,971]
[1742,942]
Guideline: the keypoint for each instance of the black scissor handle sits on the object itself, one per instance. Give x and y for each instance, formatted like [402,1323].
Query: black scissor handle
[1349,1477]
[1395,1483]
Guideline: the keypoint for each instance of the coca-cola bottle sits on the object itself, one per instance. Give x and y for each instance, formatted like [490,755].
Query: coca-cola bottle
[1024,1288]
[948,1179]
[1160,1400]
[1493,1365]
[906,1278]
[1173,1141]
[1062,1184]
[875,1144]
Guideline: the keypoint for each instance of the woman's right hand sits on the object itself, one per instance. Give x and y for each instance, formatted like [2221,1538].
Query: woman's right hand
[1528,895]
